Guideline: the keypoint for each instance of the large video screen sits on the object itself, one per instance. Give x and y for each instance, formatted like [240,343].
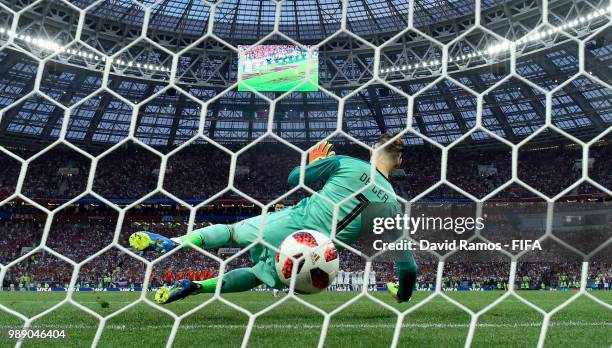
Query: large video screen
[278,68]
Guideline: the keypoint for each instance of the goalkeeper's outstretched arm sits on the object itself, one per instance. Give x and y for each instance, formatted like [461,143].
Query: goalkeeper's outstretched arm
[320,170]
[321,165]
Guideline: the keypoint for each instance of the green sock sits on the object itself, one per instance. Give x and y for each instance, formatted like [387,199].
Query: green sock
[208,286]
[214,236]
[238,280]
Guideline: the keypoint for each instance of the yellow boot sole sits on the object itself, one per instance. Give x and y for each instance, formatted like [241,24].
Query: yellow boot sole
[162,295]
[139,241]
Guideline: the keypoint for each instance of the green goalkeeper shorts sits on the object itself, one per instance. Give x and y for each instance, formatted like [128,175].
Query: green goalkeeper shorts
[276,227]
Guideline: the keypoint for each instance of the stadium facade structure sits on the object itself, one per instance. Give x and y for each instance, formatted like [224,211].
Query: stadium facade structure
[207,66]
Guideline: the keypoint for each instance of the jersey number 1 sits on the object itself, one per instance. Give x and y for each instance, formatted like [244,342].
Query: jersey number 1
[352,215]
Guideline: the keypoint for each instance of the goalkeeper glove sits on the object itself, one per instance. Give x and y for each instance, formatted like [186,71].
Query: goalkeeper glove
[393,288]
[322,151]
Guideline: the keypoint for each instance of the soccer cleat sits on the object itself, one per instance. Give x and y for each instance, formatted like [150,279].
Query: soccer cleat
[393,288]
[144,240]
[175,292]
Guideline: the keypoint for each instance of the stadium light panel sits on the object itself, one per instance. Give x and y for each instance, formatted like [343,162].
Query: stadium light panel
[49,45]
[507,45]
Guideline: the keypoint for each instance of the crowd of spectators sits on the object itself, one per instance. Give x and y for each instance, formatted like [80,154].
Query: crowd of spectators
[9,174]
[128,172]
[123,270]
[61,172]
[16,235]
[272,52]
[199,171]
[79,240]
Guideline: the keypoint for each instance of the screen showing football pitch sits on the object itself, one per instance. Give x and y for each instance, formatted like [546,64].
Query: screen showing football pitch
[278,68]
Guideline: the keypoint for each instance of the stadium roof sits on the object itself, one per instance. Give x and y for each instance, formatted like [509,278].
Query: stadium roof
[306,19]
[443,112]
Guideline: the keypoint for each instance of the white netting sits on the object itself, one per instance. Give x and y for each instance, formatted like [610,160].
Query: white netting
[117,59]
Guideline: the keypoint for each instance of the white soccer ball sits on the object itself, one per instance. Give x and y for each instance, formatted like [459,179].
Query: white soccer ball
[317,269]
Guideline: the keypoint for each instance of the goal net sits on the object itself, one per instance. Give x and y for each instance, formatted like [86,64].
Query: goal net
[118,116]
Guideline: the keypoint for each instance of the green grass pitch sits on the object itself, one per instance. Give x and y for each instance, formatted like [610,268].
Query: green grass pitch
[584,323]
[284,79]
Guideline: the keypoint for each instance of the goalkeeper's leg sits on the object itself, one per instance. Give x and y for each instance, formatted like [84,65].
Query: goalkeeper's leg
[239,280]
[214,236]
[243,233]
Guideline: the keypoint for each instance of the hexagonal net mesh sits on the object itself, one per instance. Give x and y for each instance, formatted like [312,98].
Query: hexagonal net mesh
[444,61]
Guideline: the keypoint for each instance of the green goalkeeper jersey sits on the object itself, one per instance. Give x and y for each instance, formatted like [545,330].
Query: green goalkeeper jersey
[343,176]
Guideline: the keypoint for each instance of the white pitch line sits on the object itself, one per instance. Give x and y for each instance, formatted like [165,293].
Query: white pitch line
[316,326]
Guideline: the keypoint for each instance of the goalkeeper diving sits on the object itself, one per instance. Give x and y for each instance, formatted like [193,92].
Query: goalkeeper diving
[342,177]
